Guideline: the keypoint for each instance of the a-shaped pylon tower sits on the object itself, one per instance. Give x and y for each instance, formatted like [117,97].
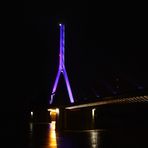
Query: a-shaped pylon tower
[62,69]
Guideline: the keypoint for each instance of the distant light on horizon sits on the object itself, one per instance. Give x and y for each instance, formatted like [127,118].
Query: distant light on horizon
[98,96]
[31,113]
[140,87]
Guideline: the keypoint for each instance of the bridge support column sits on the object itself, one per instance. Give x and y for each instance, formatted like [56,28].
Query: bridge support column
[60,122]
[76,119]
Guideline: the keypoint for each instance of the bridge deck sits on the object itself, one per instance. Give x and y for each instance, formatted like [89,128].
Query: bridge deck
[137,99]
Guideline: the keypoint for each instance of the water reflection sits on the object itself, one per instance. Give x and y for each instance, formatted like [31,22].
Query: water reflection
[31,127]
[44,135]
[30,130]
[94,139]
[31,134]
[52,140]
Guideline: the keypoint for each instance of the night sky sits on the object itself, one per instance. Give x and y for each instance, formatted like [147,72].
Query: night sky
[105,53]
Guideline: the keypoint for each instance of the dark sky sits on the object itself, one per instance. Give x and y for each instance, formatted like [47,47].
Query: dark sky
[106,53]
[106,48]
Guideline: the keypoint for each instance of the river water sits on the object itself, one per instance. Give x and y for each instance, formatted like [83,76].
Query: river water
[44,135]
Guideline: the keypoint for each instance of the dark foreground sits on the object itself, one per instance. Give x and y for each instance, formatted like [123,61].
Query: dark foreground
[115,127]
[44,135]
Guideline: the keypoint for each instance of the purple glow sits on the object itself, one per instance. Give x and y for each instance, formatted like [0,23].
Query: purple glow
[68,86]
[62,68]
[56,81]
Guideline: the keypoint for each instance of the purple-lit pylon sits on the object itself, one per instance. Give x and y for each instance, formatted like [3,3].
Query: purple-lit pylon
[62,68]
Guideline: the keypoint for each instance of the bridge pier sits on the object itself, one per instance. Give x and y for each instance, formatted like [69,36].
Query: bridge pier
[75,119]
[61,120]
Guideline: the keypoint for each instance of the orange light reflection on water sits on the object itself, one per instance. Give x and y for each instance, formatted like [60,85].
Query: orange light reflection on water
[52,136]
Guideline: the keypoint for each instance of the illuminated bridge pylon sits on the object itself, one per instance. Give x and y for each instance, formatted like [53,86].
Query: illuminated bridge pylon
[62,69]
